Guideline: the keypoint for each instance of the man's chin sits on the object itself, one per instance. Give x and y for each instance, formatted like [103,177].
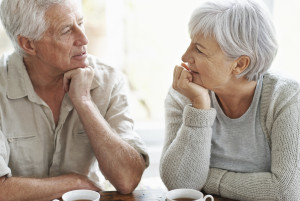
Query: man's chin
[82,65]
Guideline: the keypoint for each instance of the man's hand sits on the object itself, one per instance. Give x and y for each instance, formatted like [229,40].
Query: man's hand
[78,83]
[20,188]
[183,83]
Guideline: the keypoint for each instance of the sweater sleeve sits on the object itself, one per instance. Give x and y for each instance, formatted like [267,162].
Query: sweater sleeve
[282,183]
[186,153]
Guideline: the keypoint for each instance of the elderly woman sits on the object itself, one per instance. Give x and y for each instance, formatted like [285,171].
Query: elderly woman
[232,128]
[63,113]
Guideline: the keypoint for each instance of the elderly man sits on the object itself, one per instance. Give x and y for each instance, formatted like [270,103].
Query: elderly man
[63,113]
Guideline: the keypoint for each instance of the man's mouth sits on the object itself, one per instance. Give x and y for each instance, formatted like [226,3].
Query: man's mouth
[80,55]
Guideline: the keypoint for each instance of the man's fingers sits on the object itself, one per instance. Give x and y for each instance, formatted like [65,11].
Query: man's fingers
[67,80]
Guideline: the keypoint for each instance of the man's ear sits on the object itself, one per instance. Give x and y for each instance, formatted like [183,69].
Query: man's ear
[241,64]
[27,45]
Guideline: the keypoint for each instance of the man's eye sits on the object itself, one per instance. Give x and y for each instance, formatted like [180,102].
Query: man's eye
[65,31]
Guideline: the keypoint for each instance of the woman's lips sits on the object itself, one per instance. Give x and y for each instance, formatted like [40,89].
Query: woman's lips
[188,69]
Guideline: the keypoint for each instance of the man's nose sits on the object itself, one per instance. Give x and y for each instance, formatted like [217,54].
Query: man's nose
[81,38]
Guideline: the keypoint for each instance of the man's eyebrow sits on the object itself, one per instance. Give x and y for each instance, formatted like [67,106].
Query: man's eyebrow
[80,19]
[65,26]
[198,44]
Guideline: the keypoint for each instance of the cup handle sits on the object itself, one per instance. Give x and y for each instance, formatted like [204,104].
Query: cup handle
[209,196]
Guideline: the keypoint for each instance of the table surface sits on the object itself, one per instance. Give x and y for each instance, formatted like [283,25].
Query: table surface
[142,195]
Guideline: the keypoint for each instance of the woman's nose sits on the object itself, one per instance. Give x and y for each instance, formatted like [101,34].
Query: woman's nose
[186,57]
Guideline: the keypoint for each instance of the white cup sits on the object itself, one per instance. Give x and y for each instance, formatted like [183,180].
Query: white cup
[187,193]
[81,195]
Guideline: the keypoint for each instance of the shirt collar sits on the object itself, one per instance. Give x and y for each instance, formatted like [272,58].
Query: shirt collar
[19,83]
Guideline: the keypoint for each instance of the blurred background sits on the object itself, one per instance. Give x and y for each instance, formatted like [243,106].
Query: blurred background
[145,39]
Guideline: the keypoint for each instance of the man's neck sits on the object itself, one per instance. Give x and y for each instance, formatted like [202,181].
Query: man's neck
[42,76]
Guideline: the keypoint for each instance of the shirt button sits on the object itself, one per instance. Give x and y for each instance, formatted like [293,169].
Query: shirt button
[10,139]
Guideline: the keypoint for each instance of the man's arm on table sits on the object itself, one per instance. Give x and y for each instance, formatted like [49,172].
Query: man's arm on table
[119,162]
[41,189]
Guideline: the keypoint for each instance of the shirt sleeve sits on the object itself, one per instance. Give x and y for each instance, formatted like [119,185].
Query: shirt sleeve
[186,153]
[4,156]
[282,183]
[119,117]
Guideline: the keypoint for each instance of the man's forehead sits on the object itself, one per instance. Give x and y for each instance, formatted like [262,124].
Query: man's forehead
[61,12]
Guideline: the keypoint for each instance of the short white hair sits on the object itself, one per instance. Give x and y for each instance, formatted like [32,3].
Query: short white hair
[25,18]
[241,27]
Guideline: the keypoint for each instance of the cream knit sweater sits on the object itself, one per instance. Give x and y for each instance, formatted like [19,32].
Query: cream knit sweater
[186,153]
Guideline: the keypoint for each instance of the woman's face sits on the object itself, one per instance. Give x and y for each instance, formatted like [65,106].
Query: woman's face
[63,45]
[210,68]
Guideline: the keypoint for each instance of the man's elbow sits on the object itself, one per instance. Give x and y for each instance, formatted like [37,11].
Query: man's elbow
[128,186]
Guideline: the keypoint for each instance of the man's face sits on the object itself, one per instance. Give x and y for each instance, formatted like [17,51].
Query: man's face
[63,45]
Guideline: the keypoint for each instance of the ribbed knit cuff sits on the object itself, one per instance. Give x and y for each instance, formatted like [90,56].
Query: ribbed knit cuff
[197,117]
[212,185]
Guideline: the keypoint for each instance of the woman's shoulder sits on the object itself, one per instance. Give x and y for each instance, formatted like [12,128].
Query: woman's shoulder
[276,84]
[278,92]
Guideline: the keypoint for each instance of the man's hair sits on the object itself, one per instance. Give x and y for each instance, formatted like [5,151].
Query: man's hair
[25,18]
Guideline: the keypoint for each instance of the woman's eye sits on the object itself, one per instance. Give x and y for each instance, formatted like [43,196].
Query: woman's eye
[199,51]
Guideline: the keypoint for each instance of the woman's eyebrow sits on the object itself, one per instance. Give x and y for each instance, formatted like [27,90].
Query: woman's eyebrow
[198,44]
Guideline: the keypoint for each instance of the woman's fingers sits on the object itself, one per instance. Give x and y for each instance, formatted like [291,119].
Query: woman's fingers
[181,78]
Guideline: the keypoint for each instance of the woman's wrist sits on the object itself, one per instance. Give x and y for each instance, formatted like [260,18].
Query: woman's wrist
[201,103]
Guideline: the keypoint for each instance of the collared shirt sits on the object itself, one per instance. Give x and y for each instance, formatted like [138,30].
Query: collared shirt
[31,145]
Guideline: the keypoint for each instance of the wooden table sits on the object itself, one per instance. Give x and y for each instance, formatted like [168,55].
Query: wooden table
[142,195]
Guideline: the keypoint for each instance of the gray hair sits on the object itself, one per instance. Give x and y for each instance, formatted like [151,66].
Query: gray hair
[25,18]
[241,27]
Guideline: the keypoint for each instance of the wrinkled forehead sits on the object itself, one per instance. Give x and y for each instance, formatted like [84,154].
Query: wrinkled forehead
[63,12]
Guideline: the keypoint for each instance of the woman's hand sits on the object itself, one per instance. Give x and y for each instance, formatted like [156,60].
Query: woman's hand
[183,83]
[78,83]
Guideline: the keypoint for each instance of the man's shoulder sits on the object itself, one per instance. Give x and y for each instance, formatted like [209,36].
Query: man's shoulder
[105,75]
[101,68]
[3,62]
[4,59]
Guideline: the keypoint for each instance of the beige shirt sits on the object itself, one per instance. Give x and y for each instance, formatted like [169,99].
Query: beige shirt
[30,143]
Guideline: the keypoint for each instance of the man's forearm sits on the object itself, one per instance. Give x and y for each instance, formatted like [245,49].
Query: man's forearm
[41,189]
[118,161]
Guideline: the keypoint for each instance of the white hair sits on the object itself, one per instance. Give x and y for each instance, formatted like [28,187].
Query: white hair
[241,27]
[25,18]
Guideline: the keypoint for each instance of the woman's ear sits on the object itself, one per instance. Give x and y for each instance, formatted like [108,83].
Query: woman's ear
[241,64]
[27,45]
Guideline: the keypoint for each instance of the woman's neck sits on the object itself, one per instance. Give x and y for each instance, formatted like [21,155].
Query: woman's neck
[236,99]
